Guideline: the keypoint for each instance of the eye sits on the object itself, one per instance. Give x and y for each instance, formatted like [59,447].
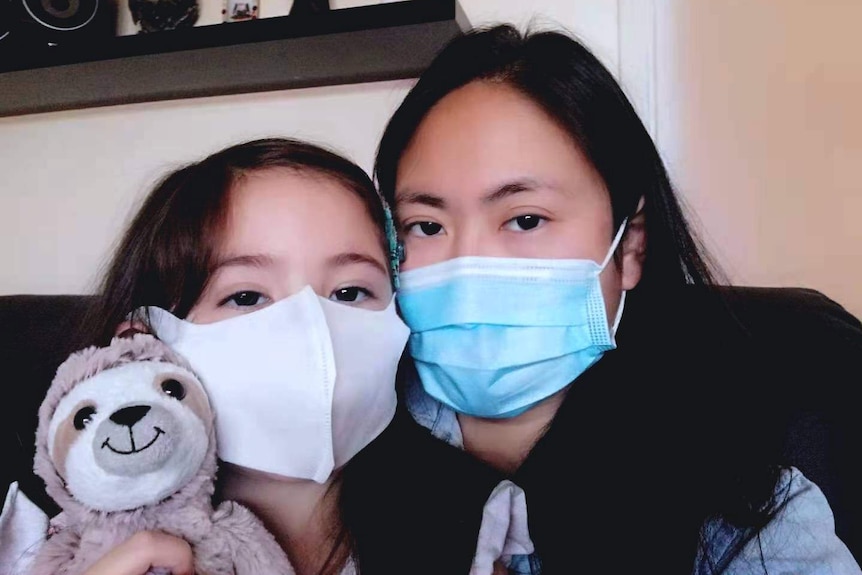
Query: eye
[424,229]
[351,294]
[174,388]
[84,417]
[525,223]
[244,299]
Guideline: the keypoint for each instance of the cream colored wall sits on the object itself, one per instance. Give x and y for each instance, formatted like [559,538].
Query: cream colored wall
[758,116]
[70,179]
[753,105]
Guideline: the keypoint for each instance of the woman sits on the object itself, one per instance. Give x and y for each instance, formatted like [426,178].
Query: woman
[565,323]
[267,266]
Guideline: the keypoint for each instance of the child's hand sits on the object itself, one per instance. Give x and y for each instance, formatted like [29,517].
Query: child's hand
[147,551]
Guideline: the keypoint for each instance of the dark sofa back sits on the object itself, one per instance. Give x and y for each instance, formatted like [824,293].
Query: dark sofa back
[36,335]
[816,346]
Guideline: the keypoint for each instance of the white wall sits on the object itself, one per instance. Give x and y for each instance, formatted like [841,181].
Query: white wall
[71,179]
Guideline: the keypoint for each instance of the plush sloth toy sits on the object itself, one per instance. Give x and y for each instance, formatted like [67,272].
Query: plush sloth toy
[125,443]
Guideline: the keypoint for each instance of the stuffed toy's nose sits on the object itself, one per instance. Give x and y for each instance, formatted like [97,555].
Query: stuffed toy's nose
[129,416]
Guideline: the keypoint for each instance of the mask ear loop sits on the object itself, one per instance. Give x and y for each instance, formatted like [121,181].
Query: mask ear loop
[619,315]
[614,245]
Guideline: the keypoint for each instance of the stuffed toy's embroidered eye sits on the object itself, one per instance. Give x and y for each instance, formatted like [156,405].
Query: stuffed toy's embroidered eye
[174,388]
[84,416]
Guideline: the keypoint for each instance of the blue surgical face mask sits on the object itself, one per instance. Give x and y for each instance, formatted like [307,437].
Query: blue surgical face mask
[492,337]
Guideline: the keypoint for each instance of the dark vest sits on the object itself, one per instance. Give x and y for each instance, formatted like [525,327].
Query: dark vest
[414,504]
[689,418]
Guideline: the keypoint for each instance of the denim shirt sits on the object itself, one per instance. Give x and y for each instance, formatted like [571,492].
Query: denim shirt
[800,540]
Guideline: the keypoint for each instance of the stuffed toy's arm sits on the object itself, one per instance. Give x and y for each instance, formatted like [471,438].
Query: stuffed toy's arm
[57,555]
[252,548]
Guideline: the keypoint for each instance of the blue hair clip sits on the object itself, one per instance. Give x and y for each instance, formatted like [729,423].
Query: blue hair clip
[396,248]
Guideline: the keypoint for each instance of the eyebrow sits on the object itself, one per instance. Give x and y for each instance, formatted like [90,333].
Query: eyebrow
[253,260]
[514,187]
[504,191]
[261,261]
[422,198]
[350,258]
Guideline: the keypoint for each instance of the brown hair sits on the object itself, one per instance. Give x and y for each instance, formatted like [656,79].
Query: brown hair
[166,254]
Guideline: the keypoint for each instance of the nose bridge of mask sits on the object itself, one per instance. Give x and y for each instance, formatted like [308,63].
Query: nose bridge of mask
[510,292]
[302,307]
[353,329]
[358,335]
[538,270]
[498,300]
[269,374]
[367,348]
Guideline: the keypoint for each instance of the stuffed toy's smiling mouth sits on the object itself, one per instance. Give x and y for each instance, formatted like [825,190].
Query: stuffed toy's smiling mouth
[107,443]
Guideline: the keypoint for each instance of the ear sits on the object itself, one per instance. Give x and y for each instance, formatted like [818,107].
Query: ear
[633,248]
[129,328]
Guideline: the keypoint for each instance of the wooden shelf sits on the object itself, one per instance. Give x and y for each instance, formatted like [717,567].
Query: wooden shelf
[362,44]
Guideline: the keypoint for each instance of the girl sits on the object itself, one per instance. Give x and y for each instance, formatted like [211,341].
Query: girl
[565,325]
[268,267]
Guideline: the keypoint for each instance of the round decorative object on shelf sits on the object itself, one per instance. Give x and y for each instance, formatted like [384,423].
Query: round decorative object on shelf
[5,22]
[158,15]
[35,25]
[62,15]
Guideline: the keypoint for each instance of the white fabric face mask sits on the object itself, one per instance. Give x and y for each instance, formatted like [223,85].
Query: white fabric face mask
[298,387]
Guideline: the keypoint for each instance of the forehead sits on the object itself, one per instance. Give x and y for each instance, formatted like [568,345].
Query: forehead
[485,132]
[282,209]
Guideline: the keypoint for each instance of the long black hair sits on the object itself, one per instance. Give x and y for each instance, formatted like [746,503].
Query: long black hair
[566,80]
[621,434]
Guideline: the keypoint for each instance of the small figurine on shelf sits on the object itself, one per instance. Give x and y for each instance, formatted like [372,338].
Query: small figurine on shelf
[239,10]
[301,7]
[158,15]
